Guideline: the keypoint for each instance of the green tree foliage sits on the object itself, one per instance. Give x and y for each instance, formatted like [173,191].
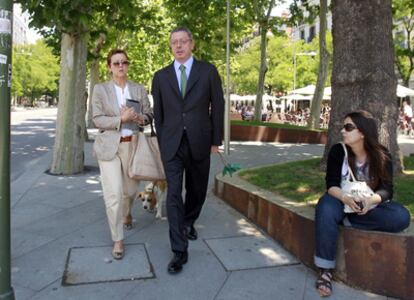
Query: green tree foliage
[403,14]
[76,23]
[147,45]
[262,10]
[35,71]
[280,63]
[207,21]
[303,11]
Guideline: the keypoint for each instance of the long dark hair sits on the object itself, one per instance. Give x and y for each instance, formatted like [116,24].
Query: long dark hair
[376,153]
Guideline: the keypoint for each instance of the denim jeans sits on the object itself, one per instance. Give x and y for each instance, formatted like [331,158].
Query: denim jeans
[388,216]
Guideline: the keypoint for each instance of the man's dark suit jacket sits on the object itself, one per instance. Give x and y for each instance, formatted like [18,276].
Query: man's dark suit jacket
[200,113]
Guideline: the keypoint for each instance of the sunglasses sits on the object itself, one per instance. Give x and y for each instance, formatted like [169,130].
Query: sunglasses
[118,63]
[349,127]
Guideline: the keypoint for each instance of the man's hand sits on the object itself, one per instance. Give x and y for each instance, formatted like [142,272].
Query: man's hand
[215,149]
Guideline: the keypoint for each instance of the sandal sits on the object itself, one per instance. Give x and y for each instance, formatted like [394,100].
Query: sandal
[128,223]
[119,253]
[324,283]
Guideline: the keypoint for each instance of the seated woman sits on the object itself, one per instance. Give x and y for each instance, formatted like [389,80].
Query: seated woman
[370,162]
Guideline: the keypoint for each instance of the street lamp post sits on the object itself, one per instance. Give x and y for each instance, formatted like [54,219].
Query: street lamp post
[311,53]
[6,13]
[227,104]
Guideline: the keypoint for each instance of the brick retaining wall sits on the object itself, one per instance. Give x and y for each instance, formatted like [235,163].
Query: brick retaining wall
[271,134]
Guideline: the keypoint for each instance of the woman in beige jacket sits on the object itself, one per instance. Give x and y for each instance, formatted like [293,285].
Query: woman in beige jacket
[113,147]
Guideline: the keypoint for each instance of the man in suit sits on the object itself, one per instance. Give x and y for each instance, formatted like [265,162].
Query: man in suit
[188,112]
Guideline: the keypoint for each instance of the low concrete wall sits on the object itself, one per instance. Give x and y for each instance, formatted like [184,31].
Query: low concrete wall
[271,134]
[378,262]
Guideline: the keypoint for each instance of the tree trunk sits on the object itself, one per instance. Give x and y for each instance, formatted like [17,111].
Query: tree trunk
[94,74]
[263,26]
[94,79]
[324,56]
[68,153]
[363,75]
[262,74]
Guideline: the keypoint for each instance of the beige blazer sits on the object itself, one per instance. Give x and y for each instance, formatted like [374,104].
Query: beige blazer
[106,116]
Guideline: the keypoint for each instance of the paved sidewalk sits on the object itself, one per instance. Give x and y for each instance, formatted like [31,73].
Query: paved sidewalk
[61,243]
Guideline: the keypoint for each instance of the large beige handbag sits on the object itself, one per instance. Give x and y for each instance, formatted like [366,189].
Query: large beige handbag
[146,162]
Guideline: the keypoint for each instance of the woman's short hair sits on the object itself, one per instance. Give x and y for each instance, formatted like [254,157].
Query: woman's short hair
[113,52]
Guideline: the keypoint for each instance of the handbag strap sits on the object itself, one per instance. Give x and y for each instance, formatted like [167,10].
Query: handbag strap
[349,167]
[152,129]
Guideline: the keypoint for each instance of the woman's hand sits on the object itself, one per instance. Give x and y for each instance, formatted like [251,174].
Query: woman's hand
[141,119]
[369,201]
[352,202]
[128,114]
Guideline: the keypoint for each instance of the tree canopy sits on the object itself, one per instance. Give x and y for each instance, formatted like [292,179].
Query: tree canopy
[280,63]
[403,13]
[36,71]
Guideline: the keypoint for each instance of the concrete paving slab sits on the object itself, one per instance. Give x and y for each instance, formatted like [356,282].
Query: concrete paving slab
[21,185]
[77,197]
[201,278]
[220,220]
[25,242]
[153,230]
[22,293]
[40,267]
[83,181]
[134,266]
[25,213]
[44,265]
[249,252]
[69,220]
[103,291]
[278,283]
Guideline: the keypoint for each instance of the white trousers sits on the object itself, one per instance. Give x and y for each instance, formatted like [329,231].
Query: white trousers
[118,189]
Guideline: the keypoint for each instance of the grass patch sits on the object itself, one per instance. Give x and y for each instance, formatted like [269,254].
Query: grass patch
[404,183]
[273,125]
[302,181]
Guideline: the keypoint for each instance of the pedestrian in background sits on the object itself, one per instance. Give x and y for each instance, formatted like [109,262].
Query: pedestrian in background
[408,115]
[189,113]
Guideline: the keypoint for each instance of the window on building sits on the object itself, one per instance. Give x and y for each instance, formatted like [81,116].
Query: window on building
[302,34]
[400,39]
[311,34]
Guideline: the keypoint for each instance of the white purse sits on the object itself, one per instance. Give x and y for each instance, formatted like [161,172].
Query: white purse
[353,187]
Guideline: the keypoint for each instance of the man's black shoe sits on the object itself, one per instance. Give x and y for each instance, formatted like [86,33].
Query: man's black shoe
[191,233]
[176,264]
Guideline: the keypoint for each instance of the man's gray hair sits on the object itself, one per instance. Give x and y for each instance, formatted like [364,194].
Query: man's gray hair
[182,28]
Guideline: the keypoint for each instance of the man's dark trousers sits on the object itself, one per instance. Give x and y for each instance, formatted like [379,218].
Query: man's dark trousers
[196,182]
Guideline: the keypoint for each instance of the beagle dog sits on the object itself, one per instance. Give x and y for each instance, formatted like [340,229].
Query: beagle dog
[153,197]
